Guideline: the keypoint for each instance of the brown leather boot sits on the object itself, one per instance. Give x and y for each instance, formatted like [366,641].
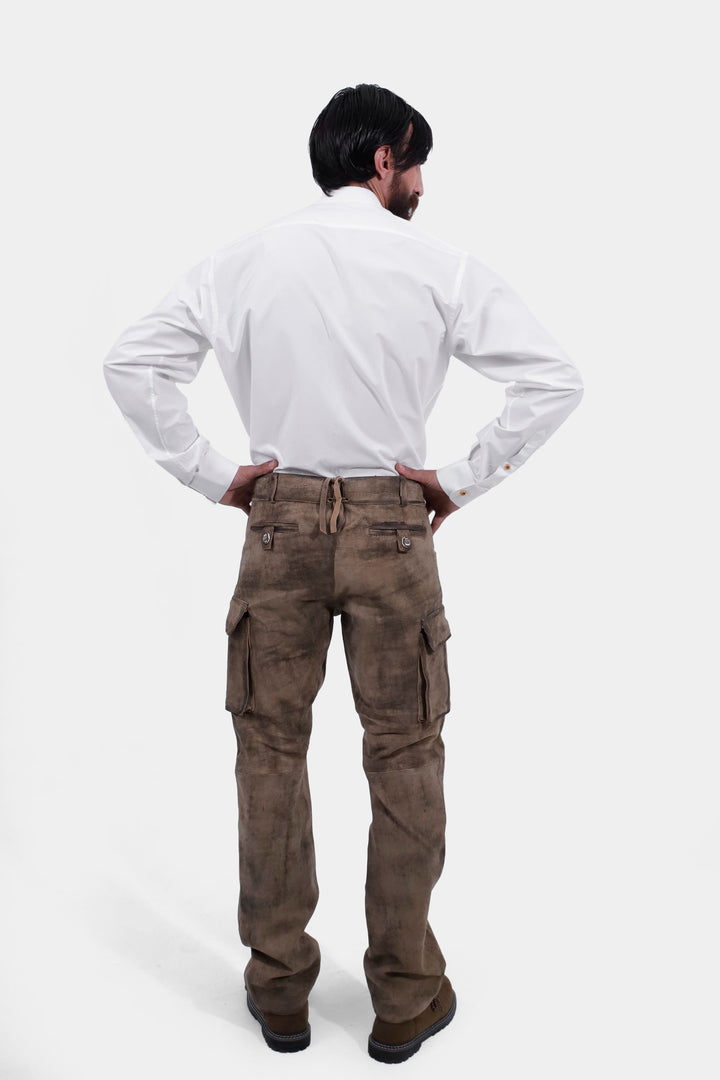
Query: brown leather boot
[397,1042]
[285,1032]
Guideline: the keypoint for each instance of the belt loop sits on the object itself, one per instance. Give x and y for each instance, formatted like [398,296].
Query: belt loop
[273,489]
[403,490]
[323,503]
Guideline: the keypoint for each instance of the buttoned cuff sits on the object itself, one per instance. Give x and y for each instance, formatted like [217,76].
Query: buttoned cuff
[458,482]
[213,475]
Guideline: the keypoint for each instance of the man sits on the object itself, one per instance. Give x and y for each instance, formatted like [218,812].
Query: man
[334,327]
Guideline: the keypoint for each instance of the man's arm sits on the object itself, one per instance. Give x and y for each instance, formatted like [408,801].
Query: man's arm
[495,334]
[143,368]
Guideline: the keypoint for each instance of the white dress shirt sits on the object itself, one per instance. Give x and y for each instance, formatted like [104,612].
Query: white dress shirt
[334,327]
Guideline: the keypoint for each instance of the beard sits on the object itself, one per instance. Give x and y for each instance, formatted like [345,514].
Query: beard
[401,203]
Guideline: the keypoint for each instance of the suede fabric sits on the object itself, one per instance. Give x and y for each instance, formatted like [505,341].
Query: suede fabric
[362,549]
[287,1023]
[392,1034]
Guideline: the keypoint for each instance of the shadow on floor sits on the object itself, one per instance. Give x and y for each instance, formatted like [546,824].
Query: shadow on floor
[189,961]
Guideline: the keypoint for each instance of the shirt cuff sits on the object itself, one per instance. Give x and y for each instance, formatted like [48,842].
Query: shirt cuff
[213,475]
[458,482]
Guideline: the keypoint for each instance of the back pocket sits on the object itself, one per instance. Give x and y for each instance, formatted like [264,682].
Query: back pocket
[434,680]
[239,696]
[269,529]
[402,531]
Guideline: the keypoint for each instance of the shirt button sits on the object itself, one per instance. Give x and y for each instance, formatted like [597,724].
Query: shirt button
[463,492]
[507,466]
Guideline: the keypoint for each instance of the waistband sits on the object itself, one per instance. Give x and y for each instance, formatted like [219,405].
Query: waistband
[336,490]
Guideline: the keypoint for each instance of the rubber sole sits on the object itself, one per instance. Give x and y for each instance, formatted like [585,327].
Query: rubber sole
[391,1054]
[284,1044]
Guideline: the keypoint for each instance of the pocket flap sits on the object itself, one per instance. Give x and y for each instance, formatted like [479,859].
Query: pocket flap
[238,608]
[435,627]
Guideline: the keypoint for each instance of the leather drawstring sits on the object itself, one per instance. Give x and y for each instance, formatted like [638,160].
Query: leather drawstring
[338,512]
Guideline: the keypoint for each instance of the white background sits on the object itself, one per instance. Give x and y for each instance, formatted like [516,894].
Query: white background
[578,908]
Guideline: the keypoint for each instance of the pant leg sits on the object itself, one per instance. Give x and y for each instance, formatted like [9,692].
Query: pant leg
[279,631]
[394,632]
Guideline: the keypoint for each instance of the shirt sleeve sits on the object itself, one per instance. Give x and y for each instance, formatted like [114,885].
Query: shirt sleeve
[495,334]
[142,372]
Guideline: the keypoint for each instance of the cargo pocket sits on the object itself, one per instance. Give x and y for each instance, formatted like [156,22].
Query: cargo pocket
[434,680]
[239,693]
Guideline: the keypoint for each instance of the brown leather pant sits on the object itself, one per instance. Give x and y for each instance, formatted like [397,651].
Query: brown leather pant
[361,548]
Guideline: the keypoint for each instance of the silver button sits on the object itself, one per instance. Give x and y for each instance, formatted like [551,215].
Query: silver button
[406,541]
[266,538]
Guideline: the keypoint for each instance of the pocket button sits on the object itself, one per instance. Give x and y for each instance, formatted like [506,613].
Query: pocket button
[267,537]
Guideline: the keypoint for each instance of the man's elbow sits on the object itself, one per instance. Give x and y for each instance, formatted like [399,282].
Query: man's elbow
[572,384]
[111,368]
[121,376]
[112,359]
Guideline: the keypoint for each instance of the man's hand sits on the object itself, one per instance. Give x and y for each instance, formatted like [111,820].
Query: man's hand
[240,491]
[435,498]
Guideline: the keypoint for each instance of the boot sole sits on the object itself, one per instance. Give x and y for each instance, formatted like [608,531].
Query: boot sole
[392,1054]
[284,1044]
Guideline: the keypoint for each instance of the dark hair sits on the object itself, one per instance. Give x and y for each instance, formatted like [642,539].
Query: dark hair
[353,124]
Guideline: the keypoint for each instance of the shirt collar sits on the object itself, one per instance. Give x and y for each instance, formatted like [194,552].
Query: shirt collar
[353,193]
